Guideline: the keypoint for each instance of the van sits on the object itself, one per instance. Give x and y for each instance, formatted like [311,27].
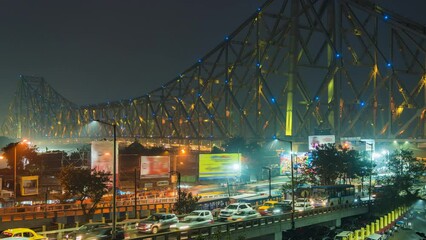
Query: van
[341,235]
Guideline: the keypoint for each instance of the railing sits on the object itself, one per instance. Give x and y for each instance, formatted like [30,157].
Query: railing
[219,228]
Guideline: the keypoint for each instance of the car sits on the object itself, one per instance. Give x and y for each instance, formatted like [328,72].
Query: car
[266,205]
[302,204]
[21,232]
[244,215]
[375,236]
[278,208]
[233,208]
[84,229]
[190,223]
[101,233]
[197,214]
[343,235]
[156,222]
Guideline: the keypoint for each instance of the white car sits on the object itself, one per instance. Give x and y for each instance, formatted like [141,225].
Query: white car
[244,215]
[200,214]
[233,208]
[302,204]
[190,223]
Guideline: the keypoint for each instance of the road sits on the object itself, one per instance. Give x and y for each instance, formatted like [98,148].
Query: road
[418,220]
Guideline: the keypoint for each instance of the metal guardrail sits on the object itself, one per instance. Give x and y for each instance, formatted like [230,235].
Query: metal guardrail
[221,228]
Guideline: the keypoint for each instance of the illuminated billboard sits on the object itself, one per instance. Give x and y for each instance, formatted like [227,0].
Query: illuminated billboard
[155,166]
[29,185]
[102,156]
[299,159]
[216,166]
[316,140]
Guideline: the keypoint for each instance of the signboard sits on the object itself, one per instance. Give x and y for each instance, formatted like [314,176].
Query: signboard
[162,183]
[316,140]
[29,185]
[216,166]
[155,166]
[102,156]
[356,143]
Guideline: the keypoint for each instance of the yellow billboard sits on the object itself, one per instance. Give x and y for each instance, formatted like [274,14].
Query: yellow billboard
[223,165]
[29,185]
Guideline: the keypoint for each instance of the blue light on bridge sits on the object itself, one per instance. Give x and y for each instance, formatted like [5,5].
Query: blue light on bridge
[274,137]
[338,55]
[317,98]
[362,103]
[386,17]
[259,9]
[226,38]
[200,60]
[273,100]
[389,65]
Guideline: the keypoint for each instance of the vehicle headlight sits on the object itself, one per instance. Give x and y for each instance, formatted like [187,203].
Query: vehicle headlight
[78,237]
[173,226]
[184,227]
[277,211]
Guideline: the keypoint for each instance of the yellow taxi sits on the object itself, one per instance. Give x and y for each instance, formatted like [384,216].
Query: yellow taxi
[265,206]
[21,232]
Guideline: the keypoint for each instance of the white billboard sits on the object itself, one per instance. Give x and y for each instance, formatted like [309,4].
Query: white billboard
[102,156]
[316,140]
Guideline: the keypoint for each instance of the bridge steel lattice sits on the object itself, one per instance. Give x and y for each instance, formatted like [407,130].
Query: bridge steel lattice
[292,69]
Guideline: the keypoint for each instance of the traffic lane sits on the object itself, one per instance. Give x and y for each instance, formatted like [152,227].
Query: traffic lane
[418,221]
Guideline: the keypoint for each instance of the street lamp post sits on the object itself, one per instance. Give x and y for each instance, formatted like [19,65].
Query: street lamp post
[371,173]
[114,178]
[270,181]
[292,180]
[178,183]
[15,167]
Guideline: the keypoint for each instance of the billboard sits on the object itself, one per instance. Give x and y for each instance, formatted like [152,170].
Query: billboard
[29,185]
[102,155]
[356,143]
[316,140]
[155,166]
[299,159]
[216,166]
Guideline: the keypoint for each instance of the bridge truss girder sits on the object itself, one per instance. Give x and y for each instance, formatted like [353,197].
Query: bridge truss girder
[293,68]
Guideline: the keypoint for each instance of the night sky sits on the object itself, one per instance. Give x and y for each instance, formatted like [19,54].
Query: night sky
[93,51]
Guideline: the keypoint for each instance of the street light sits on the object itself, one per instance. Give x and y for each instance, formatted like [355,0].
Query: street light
[178,183]
[15,167]
[114,178]
[292,179]
[270,180]
[371,173]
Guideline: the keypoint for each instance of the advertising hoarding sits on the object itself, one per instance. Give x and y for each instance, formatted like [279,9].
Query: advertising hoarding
[155,166]
[356,143]
[29,185]
[216,166]
[102,156]
[316,140]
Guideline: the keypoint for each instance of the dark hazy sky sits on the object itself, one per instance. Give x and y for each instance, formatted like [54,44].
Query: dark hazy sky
[94,51]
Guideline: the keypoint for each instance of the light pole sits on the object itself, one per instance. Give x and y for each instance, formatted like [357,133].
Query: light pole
[270,180]
[292,180]
[371,173]
[15,167]
[178,183]
[114,178]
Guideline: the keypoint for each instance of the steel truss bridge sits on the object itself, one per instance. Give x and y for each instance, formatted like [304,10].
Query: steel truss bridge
[292,69]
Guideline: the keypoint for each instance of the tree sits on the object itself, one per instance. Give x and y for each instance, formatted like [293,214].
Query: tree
[186,203]
[23,152]
[405,171]
[326,165]
[85,184]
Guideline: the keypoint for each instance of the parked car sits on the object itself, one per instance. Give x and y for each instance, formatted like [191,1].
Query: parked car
[21,232]
[343,235]
[233,208]
[157,222]
[376,236]
[302,204]
[102,233]
[84,229]
[190,223]
[197,214]
[244,215]
[279,208]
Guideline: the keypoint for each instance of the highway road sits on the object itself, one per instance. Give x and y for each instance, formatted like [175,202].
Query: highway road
[418,220]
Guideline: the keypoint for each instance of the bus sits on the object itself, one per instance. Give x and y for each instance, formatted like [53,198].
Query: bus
[332,195]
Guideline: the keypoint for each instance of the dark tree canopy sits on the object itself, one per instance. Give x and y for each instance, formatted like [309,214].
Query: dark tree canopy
[83,184]
[186,203]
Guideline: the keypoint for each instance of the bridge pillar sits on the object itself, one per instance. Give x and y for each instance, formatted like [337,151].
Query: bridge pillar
[338,222]
[278,235]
